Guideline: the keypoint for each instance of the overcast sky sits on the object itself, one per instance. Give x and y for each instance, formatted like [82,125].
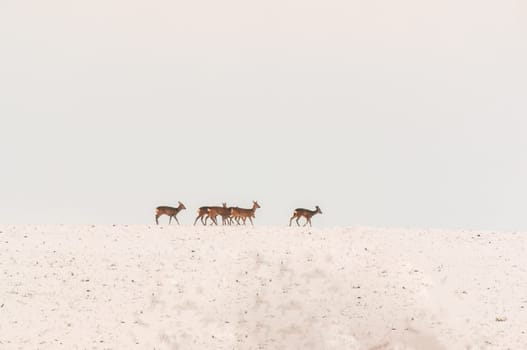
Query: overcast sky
[383,113]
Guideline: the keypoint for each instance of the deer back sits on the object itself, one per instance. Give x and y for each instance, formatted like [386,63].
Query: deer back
[171,211]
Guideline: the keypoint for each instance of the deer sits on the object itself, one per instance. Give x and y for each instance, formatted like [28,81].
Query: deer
[241,213]
[203,214]
[308,214]
[202,211]
[222,211]
[170,211]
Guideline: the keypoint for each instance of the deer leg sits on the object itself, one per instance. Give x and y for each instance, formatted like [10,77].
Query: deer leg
[175,217]
[157,219]
[169,219]
[251,221]
[199,216]
[291,220]
[298,218]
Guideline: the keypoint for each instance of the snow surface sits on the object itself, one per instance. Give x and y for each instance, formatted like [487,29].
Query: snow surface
[186,287]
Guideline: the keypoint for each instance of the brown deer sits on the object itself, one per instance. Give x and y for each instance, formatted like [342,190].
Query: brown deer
[223,211]
[202,212]
[241,213]
[170,211]
[308,214]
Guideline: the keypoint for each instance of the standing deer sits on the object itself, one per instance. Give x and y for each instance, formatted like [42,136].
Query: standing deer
[308,214]
[241,213]
[223,211]
[170,211]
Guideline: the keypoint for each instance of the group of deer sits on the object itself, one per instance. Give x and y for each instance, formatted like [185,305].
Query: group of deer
[231,214]
[228,214]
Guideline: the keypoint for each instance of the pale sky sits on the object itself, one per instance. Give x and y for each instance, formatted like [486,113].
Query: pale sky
[383,113]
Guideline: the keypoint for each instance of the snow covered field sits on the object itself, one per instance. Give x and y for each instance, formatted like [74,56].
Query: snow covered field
[182,287]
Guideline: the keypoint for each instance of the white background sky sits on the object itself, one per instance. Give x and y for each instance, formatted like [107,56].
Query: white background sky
[384,113]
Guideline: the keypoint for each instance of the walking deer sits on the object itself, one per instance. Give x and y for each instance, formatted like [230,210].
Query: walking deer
[308,214]
[223,211]
[242,213]
[202,211]
[170,211]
